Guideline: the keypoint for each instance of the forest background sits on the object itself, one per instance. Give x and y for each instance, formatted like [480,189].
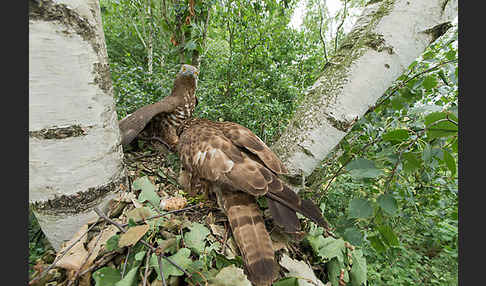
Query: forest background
[389,188]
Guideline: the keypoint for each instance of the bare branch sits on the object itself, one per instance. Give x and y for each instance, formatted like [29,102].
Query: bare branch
[321,10]
[339,27]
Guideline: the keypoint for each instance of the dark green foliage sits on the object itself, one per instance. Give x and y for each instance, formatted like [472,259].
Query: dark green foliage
[411,138]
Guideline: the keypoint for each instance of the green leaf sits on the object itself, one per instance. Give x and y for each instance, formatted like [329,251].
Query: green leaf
[195,238]
[450,162]
[334,271]
[181,258]
[427,153]
[360,208]
[389,237]
[148,190]
[290,281]
[411,161]
[140,255]
[438,125]
[353,235]
[430,82]
[388,203]
[358,270]
[332,248]
[454,146]
[230,276]
[328,247]
[363,168]
[376,243]
[130,278]
[191,45]
[396,136]
[112,243]
[106,276]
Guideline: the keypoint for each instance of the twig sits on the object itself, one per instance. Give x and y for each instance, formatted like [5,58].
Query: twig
[135,158]
[159,260]
[139,35]
[157,139]
[387,185]
[35,279]
[102,215]
[320,33]
[225,237]
[177,266]
[155,207]
[85,260]
[144,283]
[164,214]
[125,263]
[338,172]
[102,261]
[339,27]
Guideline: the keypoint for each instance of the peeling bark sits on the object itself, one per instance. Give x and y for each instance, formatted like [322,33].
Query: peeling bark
[385,40]
[75,156]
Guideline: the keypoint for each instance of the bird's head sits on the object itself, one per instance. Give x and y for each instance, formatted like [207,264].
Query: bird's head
[189,71]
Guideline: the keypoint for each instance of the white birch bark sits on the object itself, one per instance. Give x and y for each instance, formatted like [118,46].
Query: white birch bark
[75,156]
[385,40]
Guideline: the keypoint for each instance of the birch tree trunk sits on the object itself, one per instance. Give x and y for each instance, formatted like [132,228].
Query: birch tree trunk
[75,156]
[385,40]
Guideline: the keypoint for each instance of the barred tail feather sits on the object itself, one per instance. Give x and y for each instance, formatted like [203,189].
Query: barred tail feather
[251,236]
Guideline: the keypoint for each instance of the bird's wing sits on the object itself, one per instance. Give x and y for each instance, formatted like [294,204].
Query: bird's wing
[134,123]
[283,201]
[245,138]
[250,234]
[205,150]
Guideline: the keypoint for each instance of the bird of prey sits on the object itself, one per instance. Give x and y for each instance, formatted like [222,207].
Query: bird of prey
[167,114]
[238,167]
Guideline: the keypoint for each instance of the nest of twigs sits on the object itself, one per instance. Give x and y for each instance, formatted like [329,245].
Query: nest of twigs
[179,240]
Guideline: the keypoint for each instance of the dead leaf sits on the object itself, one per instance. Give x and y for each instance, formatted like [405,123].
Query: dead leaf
[139,214]
[85,280]
[217,230]
[300,269]
[75,257]
[230,249]
[279,241]
[133,235]
[126,197]
[39,266]
[174,203]
[107,233]
[191,7]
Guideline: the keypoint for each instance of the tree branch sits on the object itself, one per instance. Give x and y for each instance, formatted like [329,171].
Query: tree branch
[339,27]
[320,32]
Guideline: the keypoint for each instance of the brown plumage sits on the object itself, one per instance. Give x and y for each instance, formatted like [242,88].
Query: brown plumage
[166,115]
[238,166]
